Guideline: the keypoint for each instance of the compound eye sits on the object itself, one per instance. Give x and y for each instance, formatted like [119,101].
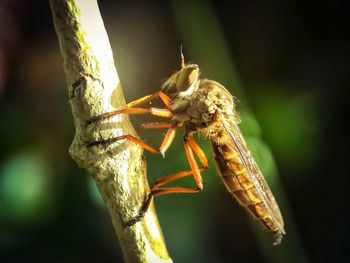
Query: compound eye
[187,77]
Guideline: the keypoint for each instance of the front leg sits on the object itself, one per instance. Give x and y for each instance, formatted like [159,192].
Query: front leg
[130,108]
[166,113]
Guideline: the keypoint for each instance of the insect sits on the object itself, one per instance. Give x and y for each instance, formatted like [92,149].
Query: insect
[204,106]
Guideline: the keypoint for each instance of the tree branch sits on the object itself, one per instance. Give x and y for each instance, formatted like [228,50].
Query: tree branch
[94,88]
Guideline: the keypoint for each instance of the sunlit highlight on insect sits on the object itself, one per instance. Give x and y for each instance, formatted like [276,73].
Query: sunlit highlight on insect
[204,106]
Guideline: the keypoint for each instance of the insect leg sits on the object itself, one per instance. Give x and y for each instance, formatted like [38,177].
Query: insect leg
[153,193]
[198,151]
[193,164]
[200,154]
[172,177]
[168,139]
[162,191]
[155,125]
[127,137]
[166,113]
[189,143]
[165,98]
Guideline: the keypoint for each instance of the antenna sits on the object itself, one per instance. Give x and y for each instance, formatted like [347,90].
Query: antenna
[182,57]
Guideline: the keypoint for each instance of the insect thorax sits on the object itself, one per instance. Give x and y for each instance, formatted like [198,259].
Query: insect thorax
[198,106]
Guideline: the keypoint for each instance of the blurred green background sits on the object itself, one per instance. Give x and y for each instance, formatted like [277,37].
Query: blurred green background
[286,61]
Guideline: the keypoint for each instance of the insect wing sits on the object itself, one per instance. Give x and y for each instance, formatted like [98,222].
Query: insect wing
[238,142]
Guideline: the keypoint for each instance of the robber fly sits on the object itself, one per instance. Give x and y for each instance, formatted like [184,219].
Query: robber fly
[204,106]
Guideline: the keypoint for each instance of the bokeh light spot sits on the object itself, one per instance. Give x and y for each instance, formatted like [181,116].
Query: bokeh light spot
[25,192]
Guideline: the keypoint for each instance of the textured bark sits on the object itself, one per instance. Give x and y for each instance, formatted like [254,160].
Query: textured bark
[119,169]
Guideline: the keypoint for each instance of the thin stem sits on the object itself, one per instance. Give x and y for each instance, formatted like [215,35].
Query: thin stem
[94,88]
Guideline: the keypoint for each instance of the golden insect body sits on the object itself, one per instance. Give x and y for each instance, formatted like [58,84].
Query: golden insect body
[204,106]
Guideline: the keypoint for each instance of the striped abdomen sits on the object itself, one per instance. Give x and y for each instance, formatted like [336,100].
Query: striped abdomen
[234,173]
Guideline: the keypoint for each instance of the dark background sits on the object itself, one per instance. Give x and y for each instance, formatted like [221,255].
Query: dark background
[286,61]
